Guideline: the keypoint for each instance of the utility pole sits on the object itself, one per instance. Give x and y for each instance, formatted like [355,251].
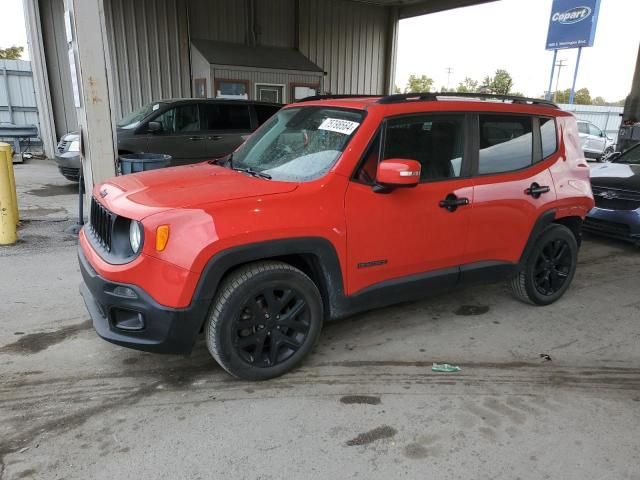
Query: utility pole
[560,65]
[449,72]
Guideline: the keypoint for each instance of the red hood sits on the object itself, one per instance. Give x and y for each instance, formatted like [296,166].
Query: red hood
[181,187]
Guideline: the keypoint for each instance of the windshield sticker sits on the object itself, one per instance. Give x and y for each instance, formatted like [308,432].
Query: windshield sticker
[345,127]
[156,106]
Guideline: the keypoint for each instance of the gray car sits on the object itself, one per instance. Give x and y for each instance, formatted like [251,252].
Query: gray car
[190,130]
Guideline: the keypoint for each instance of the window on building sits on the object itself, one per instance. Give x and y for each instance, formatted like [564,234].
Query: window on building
[436,141]
[506,143]
[238,89]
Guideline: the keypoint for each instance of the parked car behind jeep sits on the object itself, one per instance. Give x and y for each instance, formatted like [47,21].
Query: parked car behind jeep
[596,144]
[190,130]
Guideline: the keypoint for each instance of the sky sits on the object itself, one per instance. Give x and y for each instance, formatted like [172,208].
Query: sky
[13,31]
[511,35]
[475,41]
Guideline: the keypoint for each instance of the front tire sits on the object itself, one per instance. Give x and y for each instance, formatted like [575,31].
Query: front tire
[549,268]
[264,321]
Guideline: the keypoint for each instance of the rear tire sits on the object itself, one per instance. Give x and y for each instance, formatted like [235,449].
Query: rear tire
[548,270]
[264,321]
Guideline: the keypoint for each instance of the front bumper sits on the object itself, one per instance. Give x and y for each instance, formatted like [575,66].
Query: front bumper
[69,164]
[620,224]
[114,313]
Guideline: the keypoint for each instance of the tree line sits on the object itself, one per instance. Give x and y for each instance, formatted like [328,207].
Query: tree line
[501,83]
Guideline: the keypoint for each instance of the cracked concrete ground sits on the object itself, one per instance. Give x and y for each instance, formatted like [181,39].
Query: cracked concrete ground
[364,405]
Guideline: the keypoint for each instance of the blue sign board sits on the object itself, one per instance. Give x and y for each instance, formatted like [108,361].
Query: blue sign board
[572,24]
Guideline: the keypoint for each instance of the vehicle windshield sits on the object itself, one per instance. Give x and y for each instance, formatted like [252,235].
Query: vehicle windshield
[631,156]
[134,118]
[299,144]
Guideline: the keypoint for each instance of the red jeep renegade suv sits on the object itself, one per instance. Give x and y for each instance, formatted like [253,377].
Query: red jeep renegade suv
[334,206]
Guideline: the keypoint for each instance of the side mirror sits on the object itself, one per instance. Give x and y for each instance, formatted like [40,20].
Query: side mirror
[397,172]
[154,127]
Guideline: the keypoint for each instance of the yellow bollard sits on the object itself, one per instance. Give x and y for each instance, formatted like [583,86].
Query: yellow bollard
[8,234]
[12,180]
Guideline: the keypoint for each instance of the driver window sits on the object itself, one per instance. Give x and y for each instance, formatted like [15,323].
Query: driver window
[436,141]
[593,130]
[182,119]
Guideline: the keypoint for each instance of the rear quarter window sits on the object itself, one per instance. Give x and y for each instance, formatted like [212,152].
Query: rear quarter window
[548,137]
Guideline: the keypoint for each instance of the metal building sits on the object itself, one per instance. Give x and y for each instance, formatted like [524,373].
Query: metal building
[152,56]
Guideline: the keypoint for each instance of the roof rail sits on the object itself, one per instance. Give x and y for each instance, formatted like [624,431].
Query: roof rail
[433,96]
[330,97]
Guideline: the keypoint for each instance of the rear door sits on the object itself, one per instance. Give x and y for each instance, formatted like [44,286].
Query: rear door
[225,126]
[181,135]
[512,185]
[406,231]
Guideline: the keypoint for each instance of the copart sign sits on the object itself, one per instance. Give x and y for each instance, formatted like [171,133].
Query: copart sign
[572,24]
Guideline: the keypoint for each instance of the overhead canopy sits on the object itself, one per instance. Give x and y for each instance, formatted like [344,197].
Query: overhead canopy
[414,8]
[236,54]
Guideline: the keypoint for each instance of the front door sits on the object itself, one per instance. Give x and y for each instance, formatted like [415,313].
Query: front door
[181,135]
[407,232]
[225,126]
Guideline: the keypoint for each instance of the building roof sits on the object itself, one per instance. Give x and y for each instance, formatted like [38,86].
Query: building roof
[236,54]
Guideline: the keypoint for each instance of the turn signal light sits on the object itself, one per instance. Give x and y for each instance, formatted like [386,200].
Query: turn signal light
[162,237]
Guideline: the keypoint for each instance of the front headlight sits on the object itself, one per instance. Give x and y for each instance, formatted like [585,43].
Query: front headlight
[74,147]
[135,236]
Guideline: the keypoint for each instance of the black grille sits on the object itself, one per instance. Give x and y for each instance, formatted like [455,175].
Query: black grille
[606,226]
[63,145]
[70,171]
[101,224]
[616,199]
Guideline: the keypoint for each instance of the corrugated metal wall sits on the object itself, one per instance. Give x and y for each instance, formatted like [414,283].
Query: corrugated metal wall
[276,22]
[349,41]
[64,112]
[606,118]
[149,42]
[17,94]
[221,20]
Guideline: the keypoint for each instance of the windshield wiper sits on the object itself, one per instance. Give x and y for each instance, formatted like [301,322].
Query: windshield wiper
[252,172]
[227,160]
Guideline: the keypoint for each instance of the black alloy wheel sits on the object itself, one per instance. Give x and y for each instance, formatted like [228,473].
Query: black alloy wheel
[272,326]
[548,269]
[553,267]
[265,319]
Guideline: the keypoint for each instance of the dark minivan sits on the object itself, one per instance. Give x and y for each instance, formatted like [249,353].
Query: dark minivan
[190,130]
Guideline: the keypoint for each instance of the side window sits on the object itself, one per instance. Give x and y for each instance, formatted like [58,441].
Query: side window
[223,116]
[367,171]
[583,127]
[264,112]
[593,130]
[182,119]
[436,141]
[506,143]
[548,137]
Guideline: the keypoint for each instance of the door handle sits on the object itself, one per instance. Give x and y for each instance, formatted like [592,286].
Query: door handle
[196,139]
[452,202]
[536,190]
[216,137]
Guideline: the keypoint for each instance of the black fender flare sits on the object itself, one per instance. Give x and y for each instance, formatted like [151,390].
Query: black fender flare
[325,266]
[544,220]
